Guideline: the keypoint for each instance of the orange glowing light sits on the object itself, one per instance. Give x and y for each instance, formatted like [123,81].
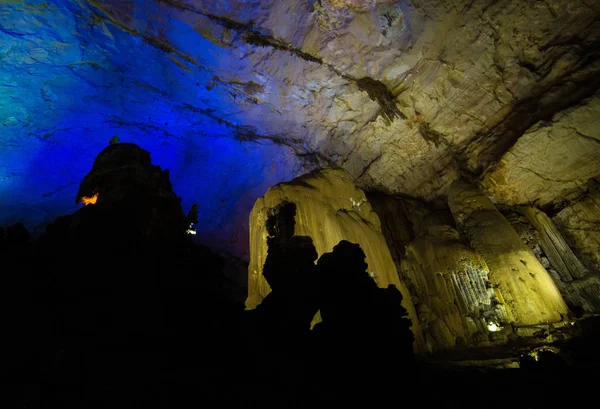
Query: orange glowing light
[89,200]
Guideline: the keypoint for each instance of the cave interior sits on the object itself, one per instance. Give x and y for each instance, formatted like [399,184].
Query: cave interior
[256,203]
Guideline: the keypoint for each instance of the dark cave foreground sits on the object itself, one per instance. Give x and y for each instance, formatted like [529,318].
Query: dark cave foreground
[116,307]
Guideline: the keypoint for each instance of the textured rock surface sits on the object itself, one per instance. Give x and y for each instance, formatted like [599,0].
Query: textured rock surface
[523,284]
[555,246]
[456,302]
[396,225]
[580,224]
[551,159]
[579,286]
[70,80]
[405,95]
[448,281]
[329,208]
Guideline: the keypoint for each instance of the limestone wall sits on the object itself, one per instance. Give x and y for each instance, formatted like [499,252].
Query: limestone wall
[580,224]
[579,286]
[522,283]
[455,302]
[448,280]
[467,276]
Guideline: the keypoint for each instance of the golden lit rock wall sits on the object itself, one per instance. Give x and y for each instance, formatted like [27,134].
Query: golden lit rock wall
[329,208]
[578,285]
[554,245]
[456,304]
[550,160]
[530,295]
[580,223]
[448,280]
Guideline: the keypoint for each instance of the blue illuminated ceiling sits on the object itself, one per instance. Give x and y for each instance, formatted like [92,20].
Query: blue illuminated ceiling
[71,79]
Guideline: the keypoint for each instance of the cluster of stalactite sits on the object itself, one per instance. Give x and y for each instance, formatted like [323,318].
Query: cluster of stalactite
[467,276]
[328,208]
[579,285]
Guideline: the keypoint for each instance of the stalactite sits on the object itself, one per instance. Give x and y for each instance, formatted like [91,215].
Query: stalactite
[530,294]
[328,208]
[554,245]
[449,281]
[578,285]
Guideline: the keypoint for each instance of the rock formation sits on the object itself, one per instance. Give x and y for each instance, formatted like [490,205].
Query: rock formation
[580,223]
[457,305]
[551,160]
[523,284]
[124,179]
[406,98]
[234,97]
[448,281]
[116,294]
[404,95]
[580,287]
[326,206]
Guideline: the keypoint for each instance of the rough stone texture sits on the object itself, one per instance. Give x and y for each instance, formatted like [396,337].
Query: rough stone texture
[454,299]
[522,283]
[405,95]
[329,208]
[448,281]
[551,159]
[70,81]
[555,246]
[396,226]
[580,224]
[579,286]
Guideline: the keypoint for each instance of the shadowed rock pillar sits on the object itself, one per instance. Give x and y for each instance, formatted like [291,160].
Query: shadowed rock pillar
[123,180]
[579,287]
[327,206]
[530,295]
[579,222]
[555,246]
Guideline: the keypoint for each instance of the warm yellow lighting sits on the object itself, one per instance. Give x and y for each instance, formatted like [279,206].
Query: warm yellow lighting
[493,327]
[89,200]
[191,230]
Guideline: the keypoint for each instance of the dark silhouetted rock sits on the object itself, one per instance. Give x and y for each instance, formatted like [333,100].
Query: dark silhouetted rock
[124,180]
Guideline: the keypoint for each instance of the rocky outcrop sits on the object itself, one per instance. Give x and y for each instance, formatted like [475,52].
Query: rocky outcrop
[326,206]
[448,281]
[580,224]
[579,287]
[551,159]
[403,95]
[555,247]
[123,177]
[522,283]
[455,302]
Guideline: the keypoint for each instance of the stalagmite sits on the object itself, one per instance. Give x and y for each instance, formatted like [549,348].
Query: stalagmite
[456,303]
[580,224]
[329,208]
[554,245]
[530,295]
[579,287]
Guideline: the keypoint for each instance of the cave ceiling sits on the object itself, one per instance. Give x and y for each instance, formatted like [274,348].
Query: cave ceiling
[234,96]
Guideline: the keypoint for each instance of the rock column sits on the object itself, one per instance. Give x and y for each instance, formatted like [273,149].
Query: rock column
[578,285]
[456,304]
[328,207]
[522,283]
